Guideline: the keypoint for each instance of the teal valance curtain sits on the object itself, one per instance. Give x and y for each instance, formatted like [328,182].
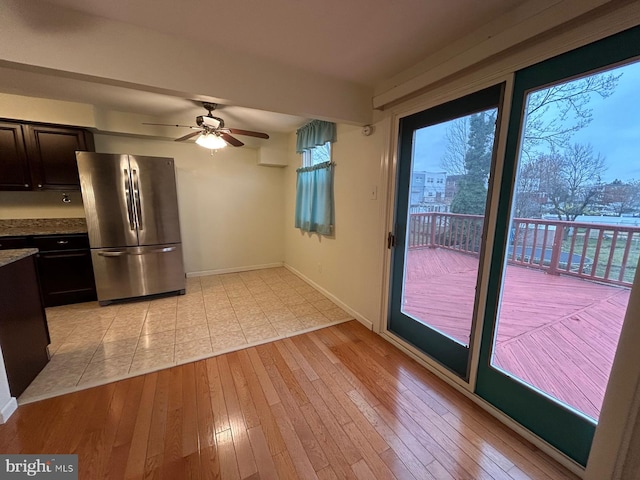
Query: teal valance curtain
[314,199]
[314,134]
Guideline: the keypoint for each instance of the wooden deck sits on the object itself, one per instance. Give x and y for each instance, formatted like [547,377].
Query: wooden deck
[556,333]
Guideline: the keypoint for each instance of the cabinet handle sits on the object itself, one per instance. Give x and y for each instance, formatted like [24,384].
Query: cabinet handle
[62,242]
[39,185]
[26,185]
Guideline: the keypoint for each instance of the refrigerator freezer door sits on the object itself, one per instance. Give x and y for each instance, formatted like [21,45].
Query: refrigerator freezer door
[107,194]
[155,200]
[133,272]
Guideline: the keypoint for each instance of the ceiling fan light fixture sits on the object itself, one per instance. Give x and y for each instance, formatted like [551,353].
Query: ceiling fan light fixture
[211,141]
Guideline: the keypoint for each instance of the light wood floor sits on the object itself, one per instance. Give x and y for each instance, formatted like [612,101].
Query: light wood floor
[336,403]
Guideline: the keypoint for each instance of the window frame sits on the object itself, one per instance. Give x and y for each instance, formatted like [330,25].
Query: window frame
[308,157]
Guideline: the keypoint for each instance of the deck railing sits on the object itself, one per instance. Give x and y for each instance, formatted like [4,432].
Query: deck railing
[604,253]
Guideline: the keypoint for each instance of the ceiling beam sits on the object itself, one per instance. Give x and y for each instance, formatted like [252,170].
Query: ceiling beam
[39,36]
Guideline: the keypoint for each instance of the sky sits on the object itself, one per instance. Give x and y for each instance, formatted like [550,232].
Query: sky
[614,131]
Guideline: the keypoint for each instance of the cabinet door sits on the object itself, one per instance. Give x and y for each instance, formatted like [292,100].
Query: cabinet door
[14,170]
[52,156]
[23,328]
[66,277]
[8,243]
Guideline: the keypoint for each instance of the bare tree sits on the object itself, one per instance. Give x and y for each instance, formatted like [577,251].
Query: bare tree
[529,198]
[555,113]
[572,180]
[320,154]
[622,197]
[457,138]
[552,171]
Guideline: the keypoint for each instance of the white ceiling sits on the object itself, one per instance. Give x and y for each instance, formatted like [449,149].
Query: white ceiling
[166,108]
[362,41]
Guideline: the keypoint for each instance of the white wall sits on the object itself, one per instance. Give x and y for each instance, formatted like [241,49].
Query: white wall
[8,404]
[231,209]
[349,264]
[20,107]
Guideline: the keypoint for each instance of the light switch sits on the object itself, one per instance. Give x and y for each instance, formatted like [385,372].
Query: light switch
[373,193]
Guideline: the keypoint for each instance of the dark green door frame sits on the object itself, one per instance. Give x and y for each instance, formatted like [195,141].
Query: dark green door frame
[560,426]
[451,354]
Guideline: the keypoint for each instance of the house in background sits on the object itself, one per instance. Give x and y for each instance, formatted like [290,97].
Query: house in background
[110,66]
[428,192]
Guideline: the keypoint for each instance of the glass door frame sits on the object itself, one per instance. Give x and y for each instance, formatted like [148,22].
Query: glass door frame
[565,429]
[454,359]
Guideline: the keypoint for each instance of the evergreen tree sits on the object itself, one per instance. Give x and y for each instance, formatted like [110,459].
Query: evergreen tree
[471,195]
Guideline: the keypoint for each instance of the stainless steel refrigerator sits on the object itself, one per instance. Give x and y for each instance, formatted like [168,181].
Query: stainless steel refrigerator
[131,207]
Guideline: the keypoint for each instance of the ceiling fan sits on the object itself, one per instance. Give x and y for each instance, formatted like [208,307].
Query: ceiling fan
[212,132]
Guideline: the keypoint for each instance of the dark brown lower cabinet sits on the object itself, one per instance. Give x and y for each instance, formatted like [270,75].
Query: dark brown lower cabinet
[66,277]
[24,335]
[64,266]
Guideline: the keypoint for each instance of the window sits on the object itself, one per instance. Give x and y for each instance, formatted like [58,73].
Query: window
[316,155]
[314,189]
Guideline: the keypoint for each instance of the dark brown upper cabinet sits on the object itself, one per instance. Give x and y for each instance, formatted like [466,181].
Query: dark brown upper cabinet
[14,169]
[41,157]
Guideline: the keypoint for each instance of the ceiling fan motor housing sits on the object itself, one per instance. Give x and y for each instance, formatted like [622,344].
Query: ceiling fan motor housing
[211,122]
[210,125]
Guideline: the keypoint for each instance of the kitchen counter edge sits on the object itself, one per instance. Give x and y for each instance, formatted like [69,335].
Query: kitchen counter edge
[49,226]
[10,256]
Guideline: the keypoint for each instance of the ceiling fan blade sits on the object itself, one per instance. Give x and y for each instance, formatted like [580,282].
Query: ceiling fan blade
[187,136]
[231,140]
[249,133]
[168,125]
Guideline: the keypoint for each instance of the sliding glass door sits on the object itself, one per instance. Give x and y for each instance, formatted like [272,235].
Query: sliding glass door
[567,241]
[566,238]
[445,159]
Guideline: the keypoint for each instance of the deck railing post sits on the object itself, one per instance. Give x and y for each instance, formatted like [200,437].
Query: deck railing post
[432,233]
[556,250]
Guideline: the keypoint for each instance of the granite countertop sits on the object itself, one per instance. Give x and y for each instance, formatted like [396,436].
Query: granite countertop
[10,256]
[42,226]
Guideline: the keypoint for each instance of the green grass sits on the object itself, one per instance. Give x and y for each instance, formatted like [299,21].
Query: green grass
[605,251]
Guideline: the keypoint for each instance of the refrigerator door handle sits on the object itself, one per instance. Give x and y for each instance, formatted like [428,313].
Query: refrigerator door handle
[164,250]
[112,254]
[127,193]
[136,197]
[157,250]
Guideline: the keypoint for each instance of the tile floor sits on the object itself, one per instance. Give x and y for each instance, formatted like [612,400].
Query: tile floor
[93,345]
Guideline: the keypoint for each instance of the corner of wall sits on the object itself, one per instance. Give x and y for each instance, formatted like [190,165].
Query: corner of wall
[8,409]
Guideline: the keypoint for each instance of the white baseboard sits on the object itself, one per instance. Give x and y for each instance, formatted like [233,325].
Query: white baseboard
[204,273]
[6,411]
[361,318]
